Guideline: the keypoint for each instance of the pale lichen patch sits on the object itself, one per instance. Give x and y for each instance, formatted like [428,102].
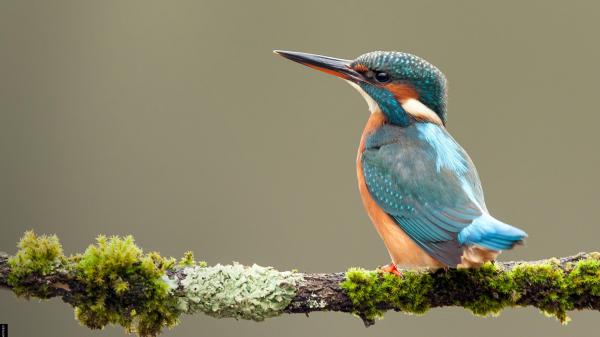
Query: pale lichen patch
[237,291]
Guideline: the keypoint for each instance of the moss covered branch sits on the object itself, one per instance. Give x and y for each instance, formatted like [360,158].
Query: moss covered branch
[115,282]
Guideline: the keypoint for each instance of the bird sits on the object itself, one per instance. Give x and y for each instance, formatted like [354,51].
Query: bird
[419,187]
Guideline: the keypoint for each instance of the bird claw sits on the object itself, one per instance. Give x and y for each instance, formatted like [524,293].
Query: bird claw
[391,268]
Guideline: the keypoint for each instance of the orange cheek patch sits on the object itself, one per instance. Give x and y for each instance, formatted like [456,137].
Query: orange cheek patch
[402,92]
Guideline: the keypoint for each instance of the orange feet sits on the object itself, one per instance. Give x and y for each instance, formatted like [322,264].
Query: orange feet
[391,268]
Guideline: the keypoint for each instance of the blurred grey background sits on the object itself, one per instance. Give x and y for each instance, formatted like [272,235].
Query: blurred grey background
[174,122]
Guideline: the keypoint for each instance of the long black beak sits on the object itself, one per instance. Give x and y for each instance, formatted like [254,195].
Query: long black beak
[338,67]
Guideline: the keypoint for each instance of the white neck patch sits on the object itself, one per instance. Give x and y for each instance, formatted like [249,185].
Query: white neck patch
[373,106]
[420,111]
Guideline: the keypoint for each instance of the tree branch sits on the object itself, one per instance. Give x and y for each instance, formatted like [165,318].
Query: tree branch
[114,282]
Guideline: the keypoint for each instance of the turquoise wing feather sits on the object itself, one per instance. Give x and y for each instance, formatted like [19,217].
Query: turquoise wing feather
[427,183]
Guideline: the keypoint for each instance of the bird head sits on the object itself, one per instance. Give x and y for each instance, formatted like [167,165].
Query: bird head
[404,87]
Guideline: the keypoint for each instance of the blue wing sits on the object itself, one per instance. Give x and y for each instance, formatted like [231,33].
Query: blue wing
[427,183]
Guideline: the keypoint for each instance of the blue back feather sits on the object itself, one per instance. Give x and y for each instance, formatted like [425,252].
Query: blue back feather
[427,183]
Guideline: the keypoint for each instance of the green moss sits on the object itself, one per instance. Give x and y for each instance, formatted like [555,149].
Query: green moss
[484,291]
[490,289]
[369,290]
[39,255]
[187,260]
[585,277]
[237,291]
[125,286]
[547,285]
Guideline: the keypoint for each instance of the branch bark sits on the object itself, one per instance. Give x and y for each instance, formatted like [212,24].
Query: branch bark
[323,291]
[114,282]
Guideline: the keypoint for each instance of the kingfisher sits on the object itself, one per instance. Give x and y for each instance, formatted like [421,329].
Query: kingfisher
[418,185]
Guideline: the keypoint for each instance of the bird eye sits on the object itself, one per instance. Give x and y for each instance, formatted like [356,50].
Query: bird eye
[382,77]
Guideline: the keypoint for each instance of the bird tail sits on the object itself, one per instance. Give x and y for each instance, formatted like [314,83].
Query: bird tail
[490,233]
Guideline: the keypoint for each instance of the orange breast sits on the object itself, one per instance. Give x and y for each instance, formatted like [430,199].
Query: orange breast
[402,249]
